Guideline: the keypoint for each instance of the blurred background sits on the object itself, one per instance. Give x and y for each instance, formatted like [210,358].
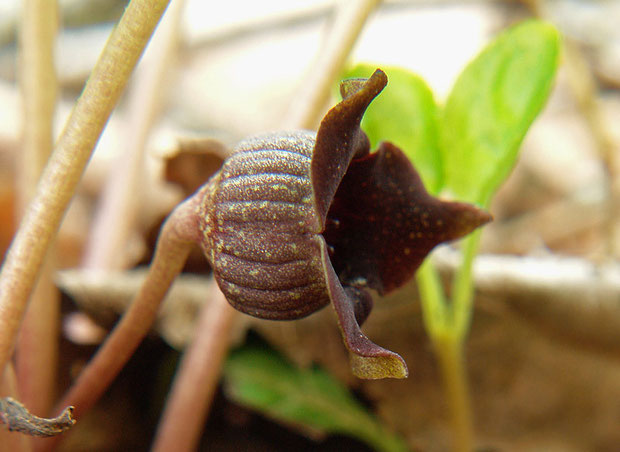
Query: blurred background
[544,349]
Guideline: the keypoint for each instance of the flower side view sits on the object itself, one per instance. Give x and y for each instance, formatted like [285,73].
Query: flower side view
[296,220]
[292,222]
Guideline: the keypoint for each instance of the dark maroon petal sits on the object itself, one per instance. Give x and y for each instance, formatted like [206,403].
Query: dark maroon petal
[339,138]
[382,222]
[368,360]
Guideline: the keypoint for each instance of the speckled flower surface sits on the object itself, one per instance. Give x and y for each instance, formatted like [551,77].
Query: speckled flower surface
[296,221]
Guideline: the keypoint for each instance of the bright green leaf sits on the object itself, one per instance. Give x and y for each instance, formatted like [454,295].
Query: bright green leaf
[491,107]
[405,114]
[310,398]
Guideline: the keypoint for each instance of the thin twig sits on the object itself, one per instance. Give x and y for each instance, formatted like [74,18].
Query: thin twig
[19,419]
[37,353]
[64,170]
[308,106]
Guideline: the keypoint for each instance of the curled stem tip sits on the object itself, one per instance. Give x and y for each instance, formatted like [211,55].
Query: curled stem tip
[18,419]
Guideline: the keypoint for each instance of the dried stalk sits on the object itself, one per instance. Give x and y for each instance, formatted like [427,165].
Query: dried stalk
[37,349]
[64,170]
[308,106]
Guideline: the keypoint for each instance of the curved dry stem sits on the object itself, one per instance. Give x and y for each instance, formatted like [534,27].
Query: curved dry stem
[195,382]
[309,105]
[176,239]
[37,354]
[63,172]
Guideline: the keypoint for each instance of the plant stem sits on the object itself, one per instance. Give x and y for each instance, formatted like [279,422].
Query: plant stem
[197,377]
[449,351]
[447,326]
[64,170]
[463,286]
[308,108]
[177,237]
[37,354]
[435,309]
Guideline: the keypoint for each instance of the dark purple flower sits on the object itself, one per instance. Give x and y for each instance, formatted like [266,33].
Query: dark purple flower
[294,221]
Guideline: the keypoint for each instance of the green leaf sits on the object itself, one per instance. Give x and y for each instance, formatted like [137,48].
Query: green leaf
[491,107]
[405,114]
[311,398]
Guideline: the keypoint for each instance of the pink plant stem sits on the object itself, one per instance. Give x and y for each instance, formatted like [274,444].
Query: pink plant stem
[196,380]
[177,237]
[37,347]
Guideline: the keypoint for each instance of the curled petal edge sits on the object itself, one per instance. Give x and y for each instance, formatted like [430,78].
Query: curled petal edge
[340,138]
[368,360]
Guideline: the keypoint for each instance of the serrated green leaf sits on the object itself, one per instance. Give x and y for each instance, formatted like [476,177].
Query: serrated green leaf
[491,107]
[263,380]
[405,114]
